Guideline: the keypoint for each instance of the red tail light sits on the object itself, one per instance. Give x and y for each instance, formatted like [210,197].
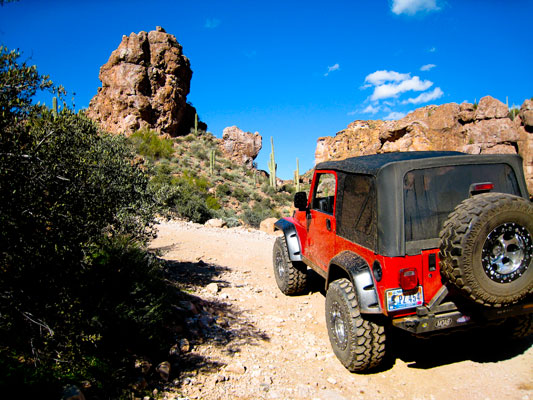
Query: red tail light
[482,187]
[408,278]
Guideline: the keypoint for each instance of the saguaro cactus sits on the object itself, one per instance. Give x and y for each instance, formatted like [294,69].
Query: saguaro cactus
[272,165]
[297,176]
[54,107]
[196,124]
[212,156]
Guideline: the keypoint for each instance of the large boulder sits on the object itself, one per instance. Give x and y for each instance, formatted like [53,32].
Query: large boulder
[145,84]
[489,108]
[241,147]
[526,115]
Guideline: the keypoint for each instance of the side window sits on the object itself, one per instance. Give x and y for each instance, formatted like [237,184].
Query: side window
[357,217]
[324,195]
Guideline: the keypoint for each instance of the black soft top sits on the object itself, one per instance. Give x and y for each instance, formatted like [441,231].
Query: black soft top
[389,170]
[371,164]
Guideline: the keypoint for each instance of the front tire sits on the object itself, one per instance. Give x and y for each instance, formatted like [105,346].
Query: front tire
[291,276]
[357,342]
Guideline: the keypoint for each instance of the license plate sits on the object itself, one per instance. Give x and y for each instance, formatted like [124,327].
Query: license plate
[397,300]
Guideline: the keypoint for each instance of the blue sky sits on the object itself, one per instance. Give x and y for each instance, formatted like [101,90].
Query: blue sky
[294,70]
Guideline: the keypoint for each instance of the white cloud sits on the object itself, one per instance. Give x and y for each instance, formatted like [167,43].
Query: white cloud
[412,7]
[427,67]
[395,115]
[212,23]
[425,97]
[394,89]
[380,77]
[371,109]
[335,67]
[390,86]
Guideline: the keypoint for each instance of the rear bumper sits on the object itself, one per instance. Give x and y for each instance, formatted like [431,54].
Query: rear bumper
[426,322]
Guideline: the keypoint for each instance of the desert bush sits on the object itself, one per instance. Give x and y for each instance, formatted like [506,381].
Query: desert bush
[513,112]
[223,190]
[253,216]
[240,194]
[149,144]
[182,196]
[212,203]
[75,212]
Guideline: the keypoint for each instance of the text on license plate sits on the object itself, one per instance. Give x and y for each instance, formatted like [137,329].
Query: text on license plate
[397,300]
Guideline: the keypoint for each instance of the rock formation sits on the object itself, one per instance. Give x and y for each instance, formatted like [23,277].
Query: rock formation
[241,147]
[145,84]
[486,128]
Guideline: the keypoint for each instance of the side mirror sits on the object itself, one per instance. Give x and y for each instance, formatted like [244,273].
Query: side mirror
[300,201]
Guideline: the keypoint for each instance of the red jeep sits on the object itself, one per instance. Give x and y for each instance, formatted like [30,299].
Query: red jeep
[422,241]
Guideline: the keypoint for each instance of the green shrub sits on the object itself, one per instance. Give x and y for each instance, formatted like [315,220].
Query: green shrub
[267,189]
[149,144]
[241,195]
[223,190]
[257,214]
[199,151]
[74,211]
[212,203]
[513,112]
[228,176]
[182,196]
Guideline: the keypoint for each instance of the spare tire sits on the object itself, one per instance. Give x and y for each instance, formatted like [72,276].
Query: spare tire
[486,248]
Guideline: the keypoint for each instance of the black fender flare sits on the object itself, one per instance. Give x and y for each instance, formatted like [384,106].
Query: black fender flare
[361,277]
[292,239]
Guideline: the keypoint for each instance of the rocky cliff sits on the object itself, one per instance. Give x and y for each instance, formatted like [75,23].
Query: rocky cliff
[145,83]
[483,128]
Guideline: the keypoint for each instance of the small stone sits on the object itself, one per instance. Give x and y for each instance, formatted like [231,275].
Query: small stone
[164,370]
[184,345]
[174,351]
[143,365]
[332,380]
[72,393]
[188,306]
[236,368]
[215,223]
[212,288]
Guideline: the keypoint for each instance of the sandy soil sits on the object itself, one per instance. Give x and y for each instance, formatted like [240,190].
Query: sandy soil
[254,342]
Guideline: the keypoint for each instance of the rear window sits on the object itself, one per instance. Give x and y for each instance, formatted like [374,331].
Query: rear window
[431,194]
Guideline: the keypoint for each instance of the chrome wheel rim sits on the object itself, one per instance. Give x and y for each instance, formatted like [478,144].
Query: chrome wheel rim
[338,325]
[507,252]
[280,265]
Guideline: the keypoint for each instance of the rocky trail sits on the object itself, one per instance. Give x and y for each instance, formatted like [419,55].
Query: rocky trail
[249,341]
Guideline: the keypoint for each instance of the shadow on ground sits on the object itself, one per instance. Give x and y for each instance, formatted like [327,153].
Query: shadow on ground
[208,319]
[482,345]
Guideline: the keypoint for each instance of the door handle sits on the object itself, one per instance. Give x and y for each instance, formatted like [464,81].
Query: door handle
[328,224]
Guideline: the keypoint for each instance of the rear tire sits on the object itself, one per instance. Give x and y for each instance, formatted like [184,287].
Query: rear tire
[486,249]
[358,343]
[291,276]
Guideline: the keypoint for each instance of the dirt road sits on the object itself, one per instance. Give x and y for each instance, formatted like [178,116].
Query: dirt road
[257,343]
